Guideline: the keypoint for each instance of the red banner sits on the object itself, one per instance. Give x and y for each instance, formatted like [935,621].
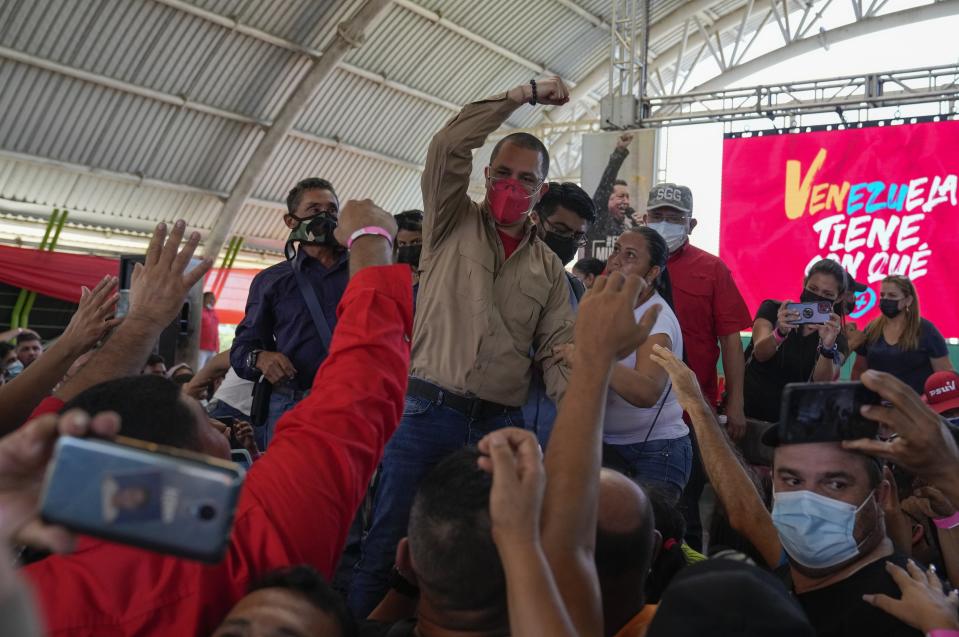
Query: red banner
[880,200]
[61,274]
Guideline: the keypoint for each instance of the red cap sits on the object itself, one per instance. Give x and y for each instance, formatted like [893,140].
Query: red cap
[942,391]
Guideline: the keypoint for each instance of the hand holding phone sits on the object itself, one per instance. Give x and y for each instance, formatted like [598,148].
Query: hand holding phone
[821,412]
[138,493]
[815,313]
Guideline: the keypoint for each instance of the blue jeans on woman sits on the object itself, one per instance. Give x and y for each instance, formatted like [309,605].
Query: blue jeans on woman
[661,464]
[427,433]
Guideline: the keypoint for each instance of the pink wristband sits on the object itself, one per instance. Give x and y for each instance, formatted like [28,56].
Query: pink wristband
[947,523]
[943,632]
[779,337]
[369,230]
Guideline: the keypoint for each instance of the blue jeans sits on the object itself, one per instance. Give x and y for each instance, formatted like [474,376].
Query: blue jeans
[427,433]
[663,464]
[539,412]
[279,405]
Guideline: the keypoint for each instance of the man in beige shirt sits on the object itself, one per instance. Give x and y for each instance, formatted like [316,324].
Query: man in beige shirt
[490,292]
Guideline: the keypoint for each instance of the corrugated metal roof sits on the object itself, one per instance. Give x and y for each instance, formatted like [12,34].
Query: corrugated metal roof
[141,110]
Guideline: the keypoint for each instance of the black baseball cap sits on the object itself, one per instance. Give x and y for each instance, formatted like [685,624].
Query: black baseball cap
[722,597]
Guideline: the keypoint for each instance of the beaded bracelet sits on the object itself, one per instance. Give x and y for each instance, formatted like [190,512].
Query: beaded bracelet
[532,99]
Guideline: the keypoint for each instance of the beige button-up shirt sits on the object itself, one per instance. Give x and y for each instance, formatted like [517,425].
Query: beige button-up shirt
[479,316]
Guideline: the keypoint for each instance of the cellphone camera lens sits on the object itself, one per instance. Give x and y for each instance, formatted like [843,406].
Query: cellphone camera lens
[807,313]
[206,512]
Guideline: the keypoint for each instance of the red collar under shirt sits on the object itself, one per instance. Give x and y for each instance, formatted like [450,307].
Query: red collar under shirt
[708,305]
[297,503]
[509,243]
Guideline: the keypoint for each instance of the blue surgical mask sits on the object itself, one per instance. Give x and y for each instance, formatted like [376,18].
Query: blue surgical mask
[816,531]
[675,234]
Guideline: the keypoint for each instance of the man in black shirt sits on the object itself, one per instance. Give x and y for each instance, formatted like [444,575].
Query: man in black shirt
[828,513]
[827,531]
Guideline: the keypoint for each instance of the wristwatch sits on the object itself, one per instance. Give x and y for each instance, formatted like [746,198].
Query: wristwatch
[251,358]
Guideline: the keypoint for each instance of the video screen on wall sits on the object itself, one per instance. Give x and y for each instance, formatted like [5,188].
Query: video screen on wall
[881,200]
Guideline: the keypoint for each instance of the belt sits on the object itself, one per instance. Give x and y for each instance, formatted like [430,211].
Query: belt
[469,406]
[286,390]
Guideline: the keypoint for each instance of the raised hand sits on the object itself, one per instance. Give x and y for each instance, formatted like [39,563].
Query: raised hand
[624,140]
[92,320]
[785,318]
[923,446]
[160,285]
[24,455]
[550,91]
[685,386]
[829,331]
[514,458]
[923,604]
[358,214]
[934,504]
[605,325]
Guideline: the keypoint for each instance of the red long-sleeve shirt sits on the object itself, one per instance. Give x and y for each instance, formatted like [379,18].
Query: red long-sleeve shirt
[297,503]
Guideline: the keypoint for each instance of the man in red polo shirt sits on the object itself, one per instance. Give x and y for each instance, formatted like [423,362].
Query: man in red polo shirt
[711,312]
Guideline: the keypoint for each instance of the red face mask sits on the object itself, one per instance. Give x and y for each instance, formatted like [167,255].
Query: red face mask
[508,201]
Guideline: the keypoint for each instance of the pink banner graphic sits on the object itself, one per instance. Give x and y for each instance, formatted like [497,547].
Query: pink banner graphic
[880,200]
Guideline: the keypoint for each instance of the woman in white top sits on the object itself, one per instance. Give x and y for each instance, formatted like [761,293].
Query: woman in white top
[644,432]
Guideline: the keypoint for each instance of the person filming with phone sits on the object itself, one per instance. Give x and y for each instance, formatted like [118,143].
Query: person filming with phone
[794,343]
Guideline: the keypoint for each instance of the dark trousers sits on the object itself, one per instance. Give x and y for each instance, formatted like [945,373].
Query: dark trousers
[427,433]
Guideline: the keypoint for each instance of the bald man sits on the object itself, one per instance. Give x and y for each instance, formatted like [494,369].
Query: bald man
[626,542]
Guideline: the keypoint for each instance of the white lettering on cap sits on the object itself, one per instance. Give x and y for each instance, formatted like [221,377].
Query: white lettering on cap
[950,386]
[671,194]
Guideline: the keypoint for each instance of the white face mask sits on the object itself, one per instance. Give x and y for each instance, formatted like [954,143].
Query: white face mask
[675,234]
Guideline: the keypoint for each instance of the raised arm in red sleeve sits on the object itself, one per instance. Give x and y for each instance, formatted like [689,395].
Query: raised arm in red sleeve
[317,469]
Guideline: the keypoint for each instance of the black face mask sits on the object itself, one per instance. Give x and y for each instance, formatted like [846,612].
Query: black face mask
[409,254]
[564,247]
[812,297]
[889,308]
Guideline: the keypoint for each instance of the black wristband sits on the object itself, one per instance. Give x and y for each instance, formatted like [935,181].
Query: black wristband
[532,99]
[829,353]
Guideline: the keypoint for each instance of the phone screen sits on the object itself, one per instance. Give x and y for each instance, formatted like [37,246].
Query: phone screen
[816,412]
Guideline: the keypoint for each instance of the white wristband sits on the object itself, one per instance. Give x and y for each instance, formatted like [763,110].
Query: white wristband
[370,230]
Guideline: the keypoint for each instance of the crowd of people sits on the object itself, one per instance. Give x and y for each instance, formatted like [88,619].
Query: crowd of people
[451,434]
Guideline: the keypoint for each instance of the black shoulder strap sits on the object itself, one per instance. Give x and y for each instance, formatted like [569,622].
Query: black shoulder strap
[313,305]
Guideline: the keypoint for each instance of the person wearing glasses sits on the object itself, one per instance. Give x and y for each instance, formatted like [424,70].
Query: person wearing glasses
[562,217]
[491,291]
[711,313]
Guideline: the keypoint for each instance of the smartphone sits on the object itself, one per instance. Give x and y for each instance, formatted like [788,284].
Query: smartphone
[817,412]
[146,495]
[816,313]
[242,457]
[123,304]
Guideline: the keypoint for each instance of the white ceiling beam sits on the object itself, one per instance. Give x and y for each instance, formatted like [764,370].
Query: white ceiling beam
[126,87]
[313,53]
[865,26]
[595,20]
[350,35]
[438,19]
